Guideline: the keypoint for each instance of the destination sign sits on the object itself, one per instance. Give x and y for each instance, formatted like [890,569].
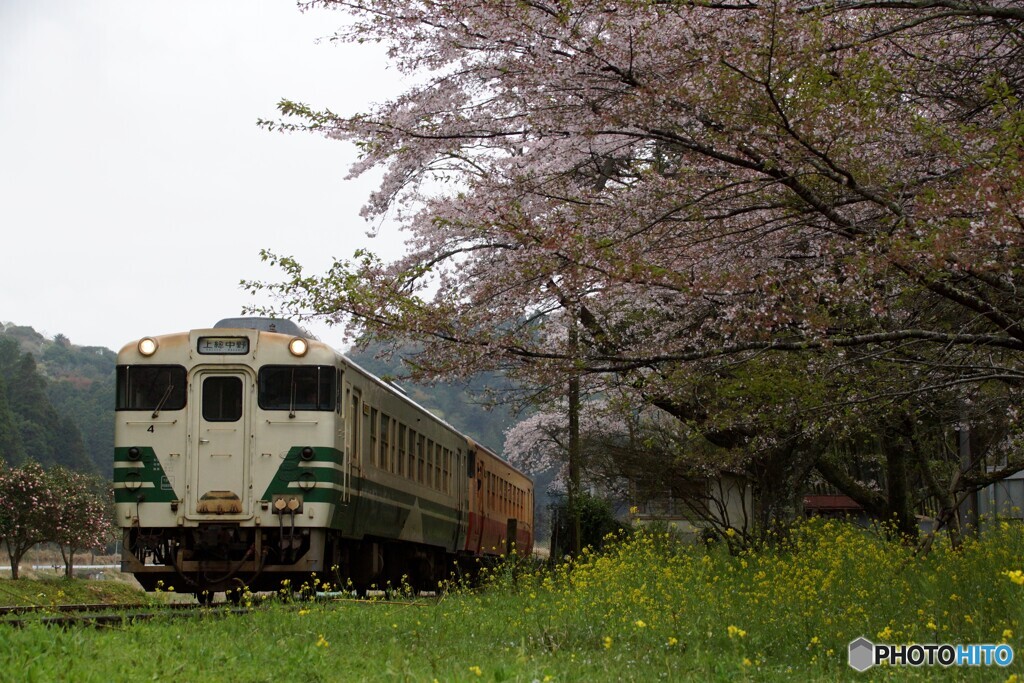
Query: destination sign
[224,345]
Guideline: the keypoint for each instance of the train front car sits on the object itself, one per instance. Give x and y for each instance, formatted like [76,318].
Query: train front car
[227,466]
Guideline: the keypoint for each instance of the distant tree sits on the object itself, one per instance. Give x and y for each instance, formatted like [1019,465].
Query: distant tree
[89,404]
[45,435]
[69,448]
[30,509]
[10,353]
[11,451]
[79,385]
[480,407]
[596,521]
[83,513]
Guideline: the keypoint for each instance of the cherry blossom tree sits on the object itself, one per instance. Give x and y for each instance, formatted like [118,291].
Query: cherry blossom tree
[83,518]
[540,443]
[30,506]
[790,173]
[692,185]
[52,506]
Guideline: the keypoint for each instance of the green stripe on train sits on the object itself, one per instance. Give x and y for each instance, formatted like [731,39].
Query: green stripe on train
[374,509]
[295,472]
[142,476]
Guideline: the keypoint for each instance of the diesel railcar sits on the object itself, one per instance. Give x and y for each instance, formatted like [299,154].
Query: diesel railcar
[250,453]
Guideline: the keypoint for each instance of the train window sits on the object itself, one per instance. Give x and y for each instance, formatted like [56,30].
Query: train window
[297,387]
[446,468]
[429,481]
[385,443]
[356,422]
[222,399]
[150,387]
[374,452]
[437,466]
[420,457]
[411,471]
[339,383]
[401,449]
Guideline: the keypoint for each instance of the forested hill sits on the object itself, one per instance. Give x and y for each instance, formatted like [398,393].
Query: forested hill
[461,405]
[56,401]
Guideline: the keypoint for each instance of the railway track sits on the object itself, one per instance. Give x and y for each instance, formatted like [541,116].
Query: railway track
[103,615]
[109,615]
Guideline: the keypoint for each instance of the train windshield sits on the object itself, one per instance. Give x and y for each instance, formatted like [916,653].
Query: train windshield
[150,387]
[297,387]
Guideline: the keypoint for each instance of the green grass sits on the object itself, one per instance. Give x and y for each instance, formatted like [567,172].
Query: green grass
[645,609]
[60,591]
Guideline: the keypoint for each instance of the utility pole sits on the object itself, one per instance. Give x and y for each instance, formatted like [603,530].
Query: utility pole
[969,522]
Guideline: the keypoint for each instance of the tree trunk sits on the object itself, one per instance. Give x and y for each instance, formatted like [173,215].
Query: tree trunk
[874,503]
[68,556]
[15,552]
[896,449]
[779,479]
[574,467]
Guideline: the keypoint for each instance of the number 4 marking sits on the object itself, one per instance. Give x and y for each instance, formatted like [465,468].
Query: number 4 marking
[151,429]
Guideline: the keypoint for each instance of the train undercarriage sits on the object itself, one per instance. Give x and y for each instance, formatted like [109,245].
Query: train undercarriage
[230,558]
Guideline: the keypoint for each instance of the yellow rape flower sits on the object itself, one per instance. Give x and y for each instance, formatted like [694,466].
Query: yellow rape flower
[476,670]
[607,642]
[735,632]
[1017,576]
[322,642]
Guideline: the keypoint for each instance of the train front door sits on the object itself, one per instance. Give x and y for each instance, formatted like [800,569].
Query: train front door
[219,466]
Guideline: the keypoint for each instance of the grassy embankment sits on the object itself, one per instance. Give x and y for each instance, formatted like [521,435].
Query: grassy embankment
[44,587]
[643,610]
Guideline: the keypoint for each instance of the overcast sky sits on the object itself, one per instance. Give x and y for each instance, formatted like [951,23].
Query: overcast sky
[135,188]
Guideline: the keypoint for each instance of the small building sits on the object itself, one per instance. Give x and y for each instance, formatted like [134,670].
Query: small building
[1003,500]
[694,507]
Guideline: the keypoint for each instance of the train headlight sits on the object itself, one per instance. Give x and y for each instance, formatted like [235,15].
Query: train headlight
[147,346]
[298,346]
[132,481]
